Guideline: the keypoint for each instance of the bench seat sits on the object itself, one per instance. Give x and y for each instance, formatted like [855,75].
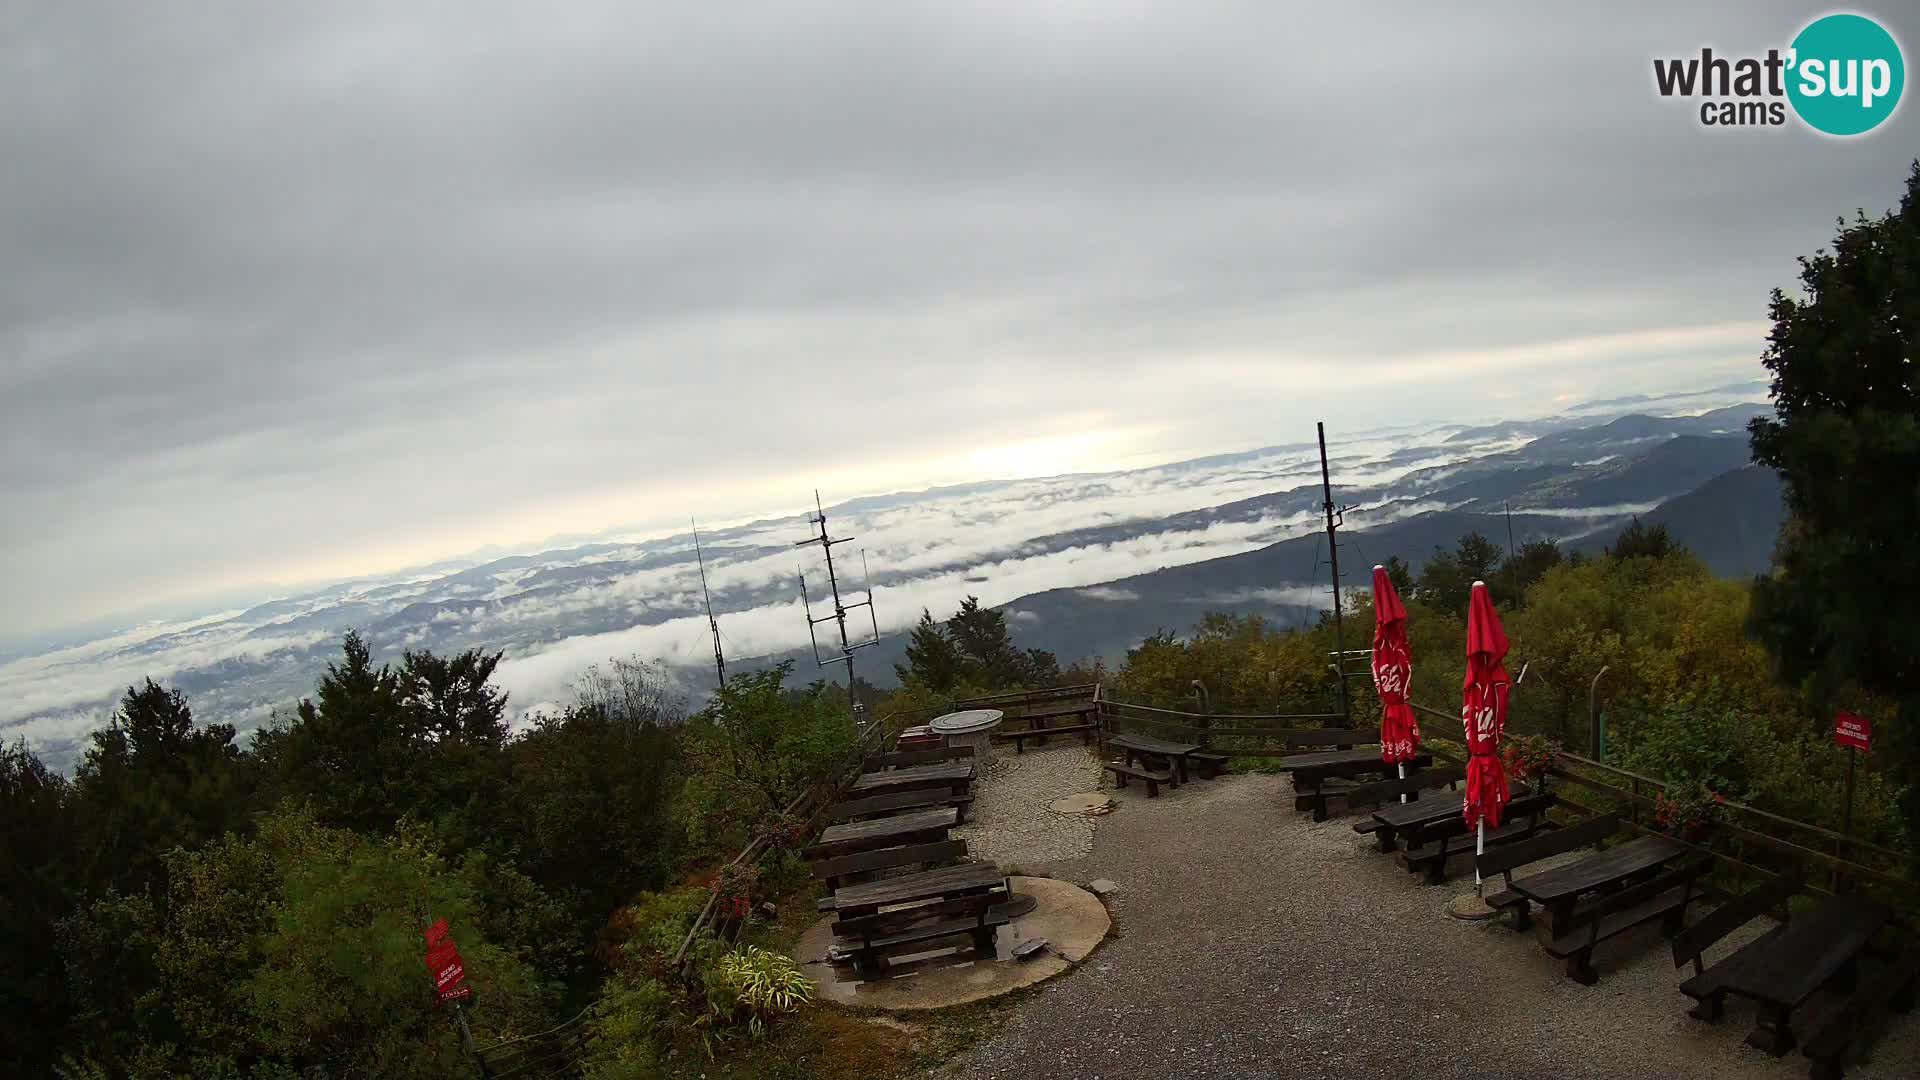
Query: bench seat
[1892,988]
[1154,779]
[870,958]
[1664,897]
[1020,737]
[1431,858]
[1211,764]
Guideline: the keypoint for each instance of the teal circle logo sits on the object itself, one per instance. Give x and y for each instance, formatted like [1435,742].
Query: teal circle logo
[1845,74]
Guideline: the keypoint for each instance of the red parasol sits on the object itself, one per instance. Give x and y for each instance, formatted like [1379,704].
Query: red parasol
[1392,671]
[1483,710]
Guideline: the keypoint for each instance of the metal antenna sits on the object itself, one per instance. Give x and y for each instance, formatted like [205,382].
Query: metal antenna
[1333,557]
[713,624]
[840,609]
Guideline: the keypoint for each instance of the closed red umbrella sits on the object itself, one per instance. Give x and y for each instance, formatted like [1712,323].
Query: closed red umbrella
[1483,713]
[1392,672]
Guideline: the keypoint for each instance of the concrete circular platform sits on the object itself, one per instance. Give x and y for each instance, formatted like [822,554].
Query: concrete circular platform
[1070,919]
[1084,804]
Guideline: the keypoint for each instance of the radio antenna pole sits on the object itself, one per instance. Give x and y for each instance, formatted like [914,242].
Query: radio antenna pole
[713,624]
[840,608]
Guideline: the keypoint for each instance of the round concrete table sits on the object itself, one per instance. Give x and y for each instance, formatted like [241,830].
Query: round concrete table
[974,728]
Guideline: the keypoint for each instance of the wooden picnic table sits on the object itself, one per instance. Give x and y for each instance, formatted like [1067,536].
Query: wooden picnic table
[1409,817]
[918,826]
[947,881]
[1782,970]
[1175,753]
[953,774]
[1559,890]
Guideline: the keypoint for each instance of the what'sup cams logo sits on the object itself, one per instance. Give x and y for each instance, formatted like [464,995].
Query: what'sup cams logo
[1842,75]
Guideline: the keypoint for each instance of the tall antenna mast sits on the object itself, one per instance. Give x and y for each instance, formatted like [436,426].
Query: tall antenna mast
[840,609]
[1333,557]
[713,624]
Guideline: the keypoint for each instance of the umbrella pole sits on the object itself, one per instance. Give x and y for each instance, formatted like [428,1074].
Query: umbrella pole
[1403,776]
[1479,849]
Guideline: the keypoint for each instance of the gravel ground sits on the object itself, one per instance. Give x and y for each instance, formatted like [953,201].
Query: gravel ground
[1010,824]
[1253,943]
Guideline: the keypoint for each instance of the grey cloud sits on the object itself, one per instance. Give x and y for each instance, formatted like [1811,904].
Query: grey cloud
[282,283]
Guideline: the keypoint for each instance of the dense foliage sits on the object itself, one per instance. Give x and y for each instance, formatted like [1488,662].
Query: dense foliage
[185,906]
[1837,612]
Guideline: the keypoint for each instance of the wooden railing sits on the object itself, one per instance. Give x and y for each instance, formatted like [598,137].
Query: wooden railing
[1234,734]
[1750,840]
[809,805]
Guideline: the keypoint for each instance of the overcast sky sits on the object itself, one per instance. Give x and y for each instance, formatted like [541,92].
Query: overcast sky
[301,291]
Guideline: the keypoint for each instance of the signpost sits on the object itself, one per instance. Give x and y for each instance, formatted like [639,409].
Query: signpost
[1855,732]
[449,973]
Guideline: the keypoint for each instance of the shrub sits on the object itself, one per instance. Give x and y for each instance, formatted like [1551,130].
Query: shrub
[762,985]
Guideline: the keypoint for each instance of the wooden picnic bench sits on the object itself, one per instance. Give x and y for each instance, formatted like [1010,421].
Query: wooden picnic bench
[944,903]
[1507,858]
[954,776]
[895,802]
[835,870]
[1431,843]
[1033,714]
[1892,989]
[1559,890]
[1389,822]
[1171,757]
[1312,771]
[921,826]
[932,755]
[1707,986]
[1782,970]
[1121,771]
[1407,789]
[1665,896]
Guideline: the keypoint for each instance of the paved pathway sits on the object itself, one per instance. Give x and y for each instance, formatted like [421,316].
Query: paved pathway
[1254,944]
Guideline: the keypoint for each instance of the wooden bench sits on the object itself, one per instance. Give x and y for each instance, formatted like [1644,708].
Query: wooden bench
[870,958]
[1430,844]
[1664,897]
[1121,771]
[833,871]
[915,799]
[1020,737]
[1378,791]
[1386,791]
[1892,988]
[1034,714]
[1313,772]
[1210,763]
[1707,986]
[1507,858]
[902,759]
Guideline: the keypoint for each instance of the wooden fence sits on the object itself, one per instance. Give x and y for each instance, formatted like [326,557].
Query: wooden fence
[808,806]
[1749,841]
[1234,734]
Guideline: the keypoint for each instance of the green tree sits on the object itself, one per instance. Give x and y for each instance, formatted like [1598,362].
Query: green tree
[39,886]
[988,658]
[299,949]
[1845,438]
[1401,577]
[1638,541]
[153,780]
[1446,581]
[931,656]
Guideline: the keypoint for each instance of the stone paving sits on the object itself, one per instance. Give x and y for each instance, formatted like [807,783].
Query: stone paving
[1010,823]
[1252,943]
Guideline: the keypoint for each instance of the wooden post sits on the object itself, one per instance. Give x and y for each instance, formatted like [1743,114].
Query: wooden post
[466,1040]
[1846,819]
